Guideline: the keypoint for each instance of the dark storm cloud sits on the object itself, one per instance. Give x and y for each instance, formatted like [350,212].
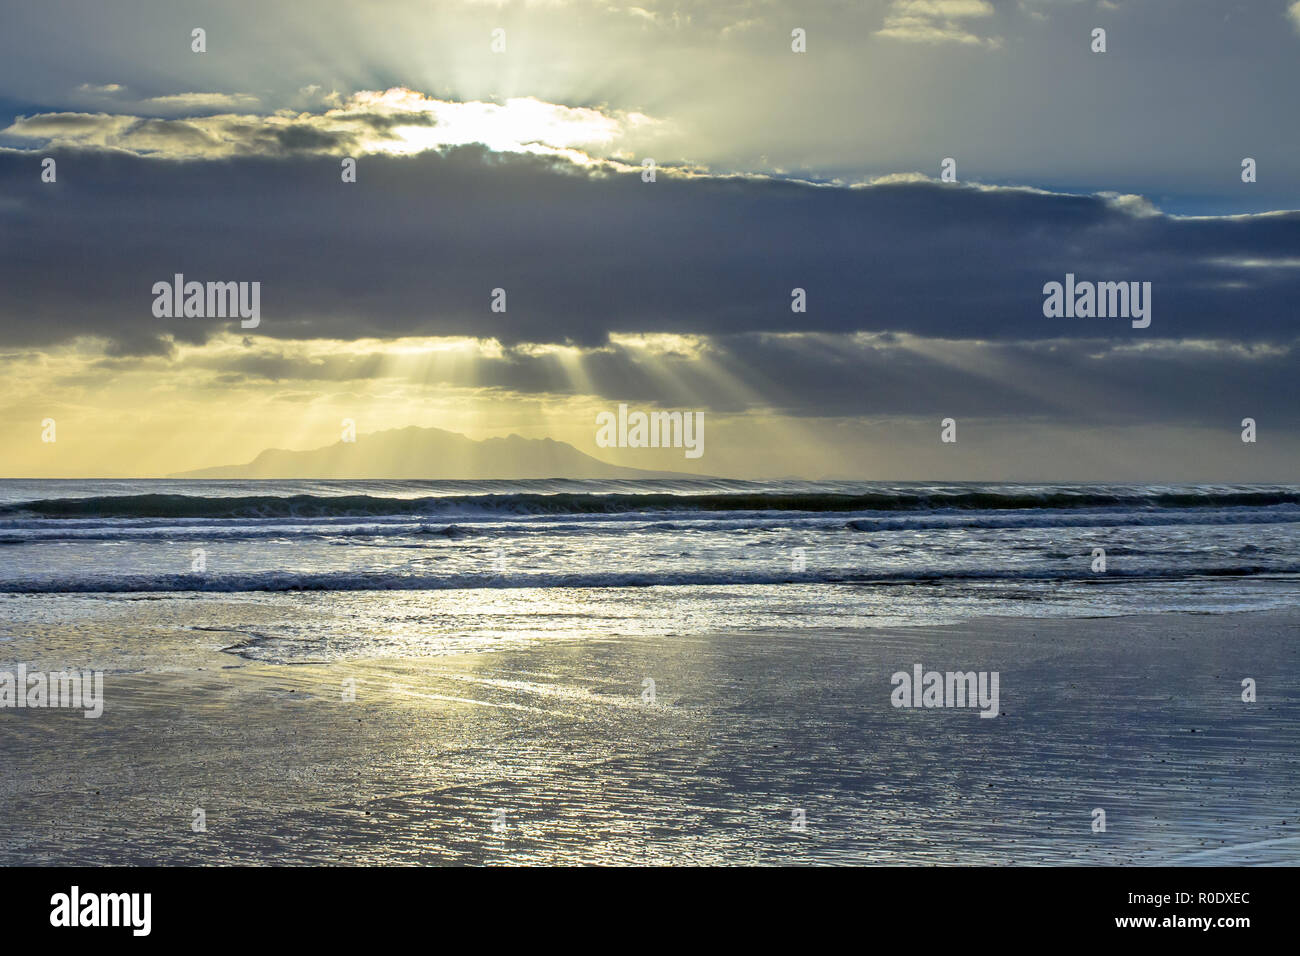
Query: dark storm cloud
[417,245]
[139,345]
[303,137]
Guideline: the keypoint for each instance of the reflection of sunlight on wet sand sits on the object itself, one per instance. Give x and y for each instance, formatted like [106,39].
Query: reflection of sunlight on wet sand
[556,736]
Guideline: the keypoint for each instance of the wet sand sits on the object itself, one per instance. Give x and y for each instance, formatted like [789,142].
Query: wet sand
[546,752]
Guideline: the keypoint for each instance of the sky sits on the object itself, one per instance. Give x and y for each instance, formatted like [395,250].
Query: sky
[502,146]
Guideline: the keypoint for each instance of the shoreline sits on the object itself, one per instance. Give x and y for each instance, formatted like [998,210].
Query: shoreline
[1139,715]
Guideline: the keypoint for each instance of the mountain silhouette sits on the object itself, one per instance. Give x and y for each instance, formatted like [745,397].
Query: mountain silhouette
[428,453]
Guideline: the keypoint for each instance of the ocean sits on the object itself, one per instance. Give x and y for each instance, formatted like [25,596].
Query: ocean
[649,672]
[435,567]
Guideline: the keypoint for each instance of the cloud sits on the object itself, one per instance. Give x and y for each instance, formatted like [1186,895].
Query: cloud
[140,343]
[857,105]
[419,242]
[115,95]
[937,21]
[393,121]
[182,102]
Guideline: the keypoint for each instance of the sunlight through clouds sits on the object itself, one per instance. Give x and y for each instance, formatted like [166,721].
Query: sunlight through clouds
[396,121]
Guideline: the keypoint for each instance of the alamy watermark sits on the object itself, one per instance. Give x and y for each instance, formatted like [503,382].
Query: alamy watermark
[651,430]
[1101,300]
[67,689]
[922,688]
[75,908]
[179,299]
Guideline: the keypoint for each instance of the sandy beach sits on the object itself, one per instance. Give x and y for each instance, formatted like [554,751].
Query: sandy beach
[757,748]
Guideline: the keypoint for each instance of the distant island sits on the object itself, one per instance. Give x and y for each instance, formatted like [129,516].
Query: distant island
[428,453]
